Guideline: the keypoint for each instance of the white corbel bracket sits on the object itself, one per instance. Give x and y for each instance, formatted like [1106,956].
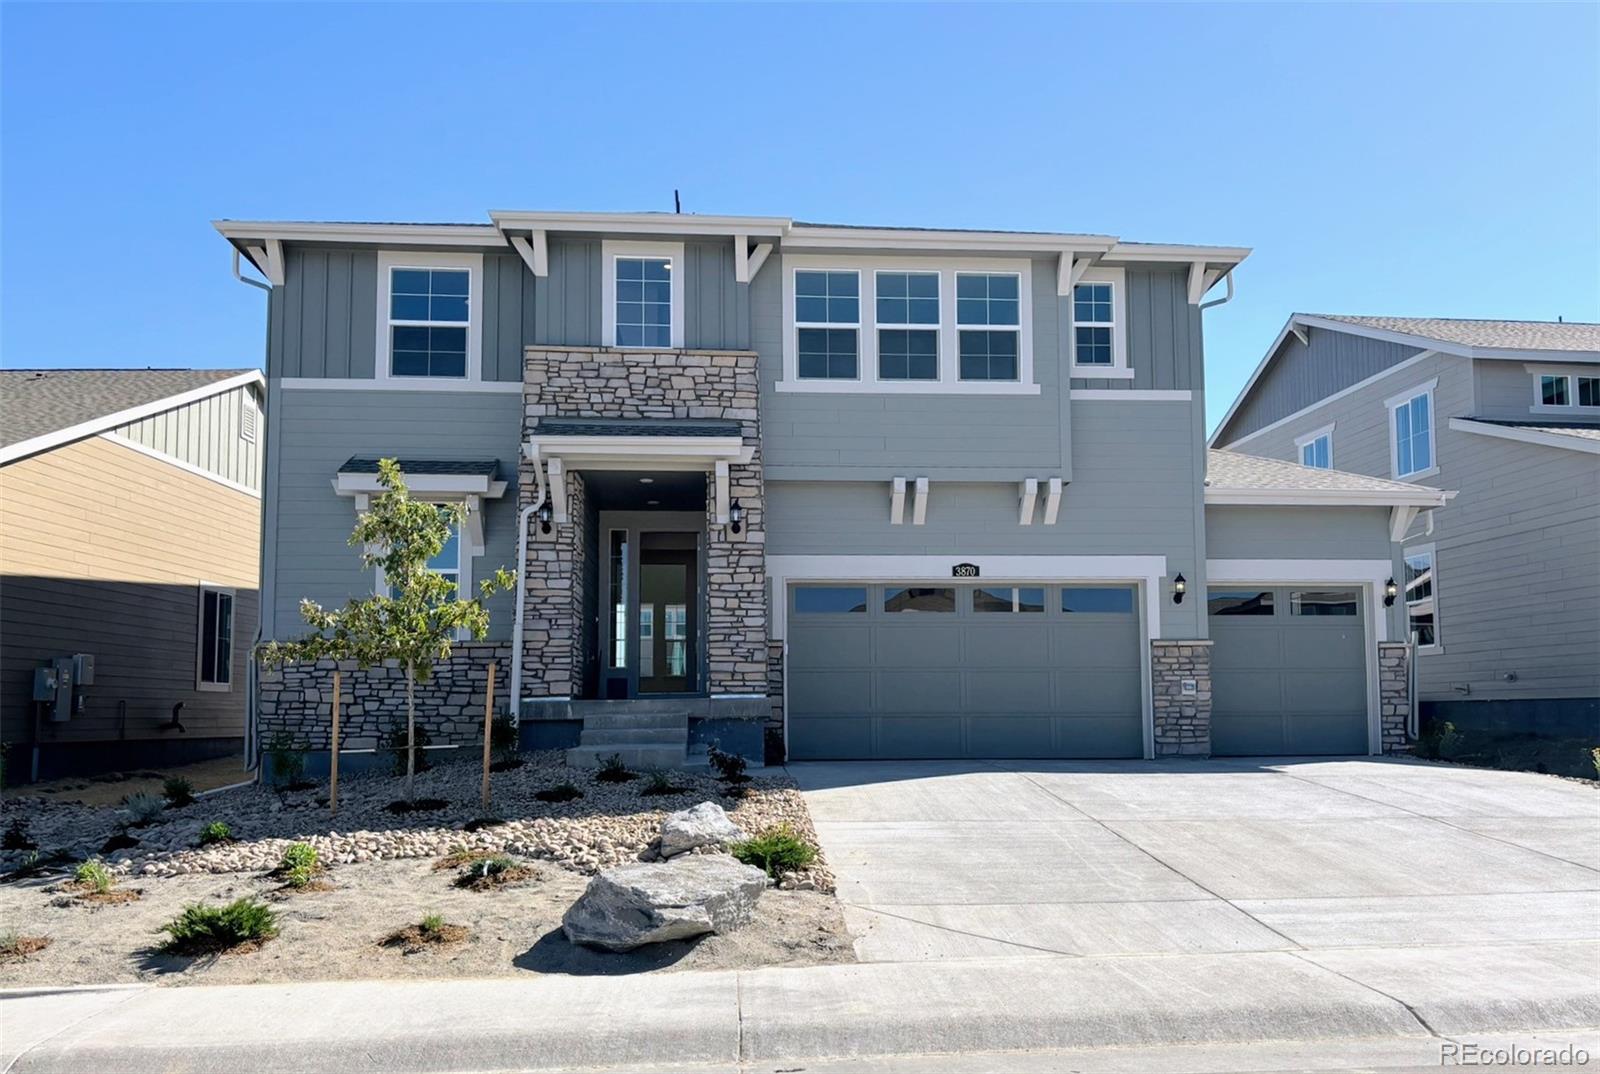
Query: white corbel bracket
[722,492]
[534,251]
[1400,519]
[1069,270]
[268,257]
[919,502]
[758,257]
[474,525]
[897,501]
[1029,488]
[558,489]
[1302,333]
[1052,501]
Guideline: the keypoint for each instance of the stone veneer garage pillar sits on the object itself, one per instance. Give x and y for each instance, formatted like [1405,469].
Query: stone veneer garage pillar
[602,382]
[1182,720]
[1394,695]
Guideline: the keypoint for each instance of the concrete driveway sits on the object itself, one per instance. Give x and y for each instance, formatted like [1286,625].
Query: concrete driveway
[1326,859]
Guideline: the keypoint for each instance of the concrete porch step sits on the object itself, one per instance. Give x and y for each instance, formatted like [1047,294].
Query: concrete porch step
[627,720]
[635,736]
[640,758]
[589,707]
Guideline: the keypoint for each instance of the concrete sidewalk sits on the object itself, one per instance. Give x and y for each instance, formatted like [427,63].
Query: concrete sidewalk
[765,1018]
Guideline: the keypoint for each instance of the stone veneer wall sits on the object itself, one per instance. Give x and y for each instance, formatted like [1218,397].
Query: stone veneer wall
[776,746]
[1182,724]
[1394,694]
[295,699]
[598,382]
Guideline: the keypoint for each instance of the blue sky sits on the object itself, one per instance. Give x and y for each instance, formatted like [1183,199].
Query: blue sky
[1425,160]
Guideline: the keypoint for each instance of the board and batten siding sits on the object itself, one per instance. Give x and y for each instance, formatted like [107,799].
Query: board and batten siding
[308,525]
[209,433]
[1165,348]
[1305,373]
[1515,551]
[102,548]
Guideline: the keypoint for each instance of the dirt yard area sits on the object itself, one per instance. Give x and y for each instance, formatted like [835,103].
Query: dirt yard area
[112,787]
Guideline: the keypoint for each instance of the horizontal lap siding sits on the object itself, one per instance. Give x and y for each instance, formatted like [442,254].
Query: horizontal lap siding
[309,525]
[102,549]
[1247,532]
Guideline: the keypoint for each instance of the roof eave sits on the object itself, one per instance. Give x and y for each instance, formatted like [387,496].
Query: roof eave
[1419,496]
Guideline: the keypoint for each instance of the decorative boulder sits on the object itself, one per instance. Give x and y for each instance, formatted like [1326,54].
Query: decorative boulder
[704,825]
[633,905]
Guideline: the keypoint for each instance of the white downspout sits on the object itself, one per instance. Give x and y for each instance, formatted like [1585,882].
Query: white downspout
[1225,298]
[522,590]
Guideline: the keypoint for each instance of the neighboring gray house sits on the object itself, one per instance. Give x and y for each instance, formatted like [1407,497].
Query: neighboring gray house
[1502,586]
[840,492]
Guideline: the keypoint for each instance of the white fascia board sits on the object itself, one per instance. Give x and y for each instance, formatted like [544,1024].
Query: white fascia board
[1398,367]
[1414,496]
[424,484]
[1149,251]
[45,442]
[241,231]
[1446,346]
[855,238]
[642,223]
[699,450]
[1291,326]
[1542,437]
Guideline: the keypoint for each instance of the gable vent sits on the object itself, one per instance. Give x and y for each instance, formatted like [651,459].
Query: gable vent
[247,422]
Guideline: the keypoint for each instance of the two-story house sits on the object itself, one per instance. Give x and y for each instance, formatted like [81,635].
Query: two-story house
[1500,586]
[819,491]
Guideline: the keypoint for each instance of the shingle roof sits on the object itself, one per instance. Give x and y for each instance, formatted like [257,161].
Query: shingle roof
[1508,335]
[627,427]
[484,467]
[1560,428]
[1234,470]
[35,402]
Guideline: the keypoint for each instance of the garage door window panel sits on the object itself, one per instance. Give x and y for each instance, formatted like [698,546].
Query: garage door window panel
[1240,602]
[1325,602]
[1097,600]
[939,601]
[830,600]
[1008,599]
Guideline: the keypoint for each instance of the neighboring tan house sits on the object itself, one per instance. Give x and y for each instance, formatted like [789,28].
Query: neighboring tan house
[1502,586]
[130,530]
[841,492]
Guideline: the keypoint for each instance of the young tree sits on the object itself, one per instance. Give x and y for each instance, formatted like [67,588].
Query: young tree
[418,620]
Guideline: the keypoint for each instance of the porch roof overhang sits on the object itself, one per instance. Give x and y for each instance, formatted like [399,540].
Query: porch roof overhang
[427,477]
[601,443]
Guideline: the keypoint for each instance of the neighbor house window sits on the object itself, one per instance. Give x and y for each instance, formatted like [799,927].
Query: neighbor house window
[641,295]
[1555,391]
[1316,449]
[215,658]
[906,300]
[1589,391]
[429,319]
[827,317]
[989,325]
[1411,433]
[1421,616]
[1566,390]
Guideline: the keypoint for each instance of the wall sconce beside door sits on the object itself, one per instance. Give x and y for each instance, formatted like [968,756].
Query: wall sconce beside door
[1180,586]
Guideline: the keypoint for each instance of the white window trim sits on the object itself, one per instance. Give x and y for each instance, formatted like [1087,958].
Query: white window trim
[388,261]
[1118,369]
[857,325]
[1433,561]
[200,635]
[1393,403]
[609,253]
[867,381]
[1538,372]
[1311,438]
[878,328]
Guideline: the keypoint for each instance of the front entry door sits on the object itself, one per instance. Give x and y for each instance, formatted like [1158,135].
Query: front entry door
[651,603]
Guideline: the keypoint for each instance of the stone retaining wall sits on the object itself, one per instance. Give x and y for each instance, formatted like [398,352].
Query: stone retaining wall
[1182,722]
[295,700]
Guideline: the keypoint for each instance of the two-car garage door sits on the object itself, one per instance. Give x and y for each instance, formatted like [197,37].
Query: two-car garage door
[906,671]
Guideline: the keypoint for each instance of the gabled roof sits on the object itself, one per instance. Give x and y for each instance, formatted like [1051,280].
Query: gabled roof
[1236,478]
[43,408]
[1570,436]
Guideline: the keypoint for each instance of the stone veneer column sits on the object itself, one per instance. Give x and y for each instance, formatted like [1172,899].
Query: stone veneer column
[1182,722]
[776,753]
[553,646]
[1394,694]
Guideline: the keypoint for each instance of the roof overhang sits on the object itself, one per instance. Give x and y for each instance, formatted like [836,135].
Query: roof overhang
[431,485]
[621,452]
[1527,435]
[1419,496]
[23,448]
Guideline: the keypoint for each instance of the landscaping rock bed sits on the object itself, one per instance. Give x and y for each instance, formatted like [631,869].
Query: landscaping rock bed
[612,823]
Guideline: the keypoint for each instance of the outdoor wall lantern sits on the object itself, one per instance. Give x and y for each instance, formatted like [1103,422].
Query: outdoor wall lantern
[1179,588]
[1390,591]
[735,516]
[543,514]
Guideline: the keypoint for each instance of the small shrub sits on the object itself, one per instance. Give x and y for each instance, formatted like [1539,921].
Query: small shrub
[433,923]
[491,871]
[216,832]
[16,948]
[204,930]
[729,766]
[93,876]
[561,792]
[143,808]
[178,792]
[286,759]
[776,852]
[433,931]
[299,865]
[612,770]
[16,837]
[394,740]
[484,868]
[659,782]
[1438,741]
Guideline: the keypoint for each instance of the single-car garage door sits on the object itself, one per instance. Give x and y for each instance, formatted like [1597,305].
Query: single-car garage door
[899,671]
[1288,671]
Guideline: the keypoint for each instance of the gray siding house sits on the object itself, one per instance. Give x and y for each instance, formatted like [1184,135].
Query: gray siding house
[816,491]
[1501,585]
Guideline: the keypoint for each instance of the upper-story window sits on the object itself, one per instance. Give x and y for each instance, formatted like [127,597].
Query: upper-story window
[1563,391]
[429,315]
[642,295]
[1411,432]
[1098,334]
[1316,448]
[993,300]
[827,317]
[884,323]
[908,299]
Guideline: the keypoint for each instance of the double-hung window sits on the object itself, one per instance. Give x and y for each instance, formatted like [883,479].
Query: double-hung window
[1411,432]
[989,325]
[429,316]
[1316,448]
[1098,334]
[642,295]
[214,661]
[447,563]
[1422,620]
[908,325]
[827,318]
